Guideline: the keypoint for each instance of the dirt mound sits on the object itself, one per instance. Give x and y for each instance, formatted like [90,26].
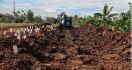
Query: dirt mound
[85,48]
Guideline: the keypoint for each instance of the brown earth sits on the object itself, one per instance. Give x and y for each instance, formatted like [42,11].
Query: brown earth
[85,48]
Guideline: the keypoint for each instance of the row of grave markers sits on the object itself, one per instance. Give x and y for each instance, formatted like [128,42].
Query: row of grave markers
[28,30]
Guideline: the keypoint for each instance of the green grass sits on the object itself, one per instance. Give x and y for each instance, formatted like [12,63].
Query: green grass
[14,24]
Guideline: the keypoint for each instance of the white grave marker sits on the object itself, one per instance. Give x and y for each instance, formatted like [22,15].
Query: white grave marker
[51,27]
[15,49]
[32,27]
[18,32]
[31,30]
[22,29]
[18,37]
[15,34]
[28,30]
[43,26]
[11,30]
[37,30]
[4,33]
[24,36]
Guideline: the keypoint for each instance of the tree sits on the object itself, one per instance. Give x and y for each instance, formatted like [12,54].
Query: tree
[23,16]
[51,20]
[125,21]
[76,16]
[75,21]
[97,15]
[106,13]
[125,16]
[30,16]
[38,19]
[19,17]
[18,13]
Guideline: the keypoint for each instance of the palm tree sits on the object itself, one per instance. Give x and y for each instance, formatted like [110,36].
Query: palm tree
[106,13]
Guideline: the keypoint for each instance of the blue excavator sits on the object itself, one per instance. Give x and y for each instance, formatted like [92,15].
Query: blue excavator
[65,21]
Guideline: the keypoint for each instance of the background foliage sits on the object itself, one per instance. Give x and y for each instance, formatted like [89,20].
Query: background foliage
[107,18]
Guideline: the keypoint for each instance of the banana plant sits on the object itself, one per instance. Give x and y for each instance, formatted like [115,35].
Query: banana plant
[106,13]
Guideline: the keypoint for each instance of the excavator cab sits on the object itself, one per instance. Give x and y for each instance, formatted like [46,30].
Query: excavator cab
[65,21]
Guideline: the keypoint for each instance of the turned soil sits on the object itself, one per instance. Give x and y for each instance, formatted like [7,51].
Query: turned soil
[85,48]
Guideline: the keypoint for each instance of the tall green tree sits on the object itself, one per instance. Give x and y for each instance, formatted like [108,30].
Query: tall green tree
[38,19]
[23,15]
[30,16]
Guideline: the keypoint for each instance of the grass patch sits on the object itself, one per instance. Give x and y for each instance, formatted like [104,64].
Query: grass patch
[14,24]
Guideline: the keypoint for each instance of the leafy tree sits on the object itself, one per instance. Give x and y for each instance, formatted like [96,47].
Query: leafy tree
[23,16]
[38,19]
[124,16]
[75,20]
[97,15]
[124,23]
[76,16]
[30,16]
[51,20]
[19,18]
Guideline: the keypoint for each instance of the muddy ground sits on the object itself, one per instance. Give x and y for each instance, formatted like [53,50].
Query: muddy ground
[85,48]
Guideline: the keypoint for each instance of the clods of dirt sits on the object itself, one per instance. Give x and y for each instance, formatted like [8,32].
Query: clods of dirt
[84,48]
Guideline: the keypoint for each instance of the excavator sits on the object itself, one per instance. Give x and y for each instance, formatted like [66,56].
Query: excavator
[65,21]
